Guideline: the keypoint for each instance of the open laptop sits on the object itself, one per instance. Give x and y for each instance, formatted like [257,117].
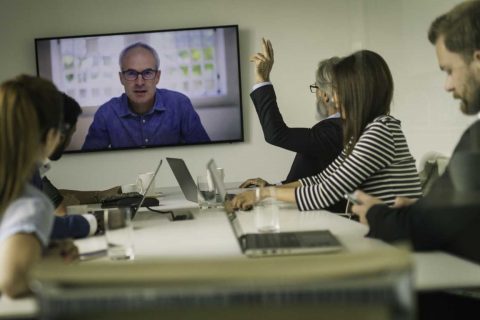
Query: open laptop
[184,178]
[280,243]
[135,202]
[147,201]
[188,185]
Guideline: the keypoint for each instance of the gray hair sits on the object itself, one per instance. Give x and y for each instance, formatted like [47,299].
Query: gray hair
[324,74]
[139,45]
[324,80]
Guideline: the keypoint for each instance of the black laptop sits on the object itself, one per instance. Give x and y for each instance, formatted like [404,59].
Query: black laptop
[279,243]
[133,200]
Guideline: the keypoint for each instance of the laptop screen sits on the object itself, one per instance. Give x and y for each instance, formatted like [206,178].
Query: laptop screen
[184,178]
[148,188]
[218,182]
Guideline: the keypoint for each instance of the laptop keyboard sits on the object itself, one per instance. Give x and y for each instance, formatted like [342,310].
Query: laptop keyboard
[274,240]
[291,240]
[282,241]
[121,196]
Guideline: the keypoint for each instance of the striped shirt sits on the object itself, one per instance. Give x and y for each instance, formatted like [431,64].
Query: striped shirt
[380,164]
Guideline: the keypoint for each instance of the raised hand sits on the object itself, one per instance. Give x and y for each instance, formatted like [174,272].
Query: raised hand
[263,62]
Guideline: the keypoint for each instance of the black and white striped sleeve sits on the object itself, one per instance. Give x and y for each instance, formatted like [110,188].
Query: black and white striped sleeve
[374,150]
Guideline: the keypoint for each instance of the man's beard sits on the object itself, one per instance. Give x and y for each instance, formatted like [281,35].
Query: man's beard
[470,102]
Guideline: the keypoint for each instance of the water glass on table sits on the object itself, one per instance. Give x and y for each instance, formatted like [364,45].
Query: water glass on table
[119,233]
[206,192]
[266,211]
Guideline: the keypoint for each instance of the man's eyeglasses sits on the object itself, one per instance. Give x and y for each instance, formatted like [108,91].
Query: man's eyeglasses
[132,75]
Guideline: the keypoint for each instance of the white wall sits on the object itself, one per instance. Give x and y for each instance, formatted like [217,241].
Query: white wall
[302,32]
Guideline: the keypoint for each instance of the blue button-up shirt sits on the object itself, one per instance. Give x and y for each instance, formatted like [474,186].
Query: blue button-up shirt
[172,120]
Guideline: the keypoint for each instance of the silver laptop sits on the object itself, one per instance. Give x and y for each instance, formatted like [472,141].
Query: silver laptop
[187,184]
[280,243]
[184,178]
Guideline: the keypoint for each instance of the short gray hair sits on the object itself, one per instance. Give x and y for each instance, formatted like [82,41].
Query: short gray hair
[139,45]
[324,74]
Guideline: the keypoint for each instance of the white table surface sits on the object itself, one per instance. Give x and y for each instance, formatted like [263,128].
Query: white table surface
[210,235]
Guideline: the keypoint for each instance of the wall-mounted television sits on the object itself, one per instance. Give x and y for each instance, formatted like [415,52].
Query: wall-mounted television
[197,97]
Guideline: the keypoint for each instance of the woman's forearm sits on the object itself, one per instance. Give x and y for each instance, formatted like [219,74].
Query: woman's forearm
[294,184]
[18,254]
[279,193]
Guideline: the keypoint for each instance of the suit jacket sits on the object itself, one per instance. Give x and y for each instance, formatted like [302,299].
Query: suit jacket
[445,219]
[316,147]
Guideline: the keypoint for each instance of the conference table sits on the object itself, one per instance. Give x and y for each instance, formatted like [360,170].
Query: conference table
[209,235]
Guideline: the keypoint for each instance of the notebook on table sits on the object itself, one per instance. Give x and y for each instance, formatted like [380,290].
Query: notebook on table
[279,243]
[133,200]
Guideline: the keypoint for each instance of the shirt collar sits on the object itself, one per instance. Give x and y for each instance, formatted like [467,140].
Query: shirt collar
[125,111]
[335,115]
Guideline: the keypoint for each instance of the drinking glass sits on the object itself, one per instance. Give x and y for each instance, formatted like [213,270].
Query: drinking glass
[206,192]
[266,212]
[119,233]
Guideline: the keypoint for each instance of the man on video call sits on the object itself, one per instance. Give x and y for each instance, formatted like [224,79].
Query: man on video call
[144,115]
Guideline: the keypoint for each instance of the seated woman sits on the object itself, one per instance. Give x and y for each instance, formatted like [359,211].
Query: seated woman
[30,125]
[375,157]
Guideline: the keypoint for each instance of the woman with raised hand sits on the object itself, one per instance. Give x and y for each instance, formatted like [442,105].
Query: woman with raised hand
[30,129]
[316,147]
[375,156]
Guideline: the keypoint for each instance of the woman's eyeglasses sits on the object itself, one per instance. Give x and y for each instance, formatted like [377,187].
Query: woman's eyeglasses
[314,88]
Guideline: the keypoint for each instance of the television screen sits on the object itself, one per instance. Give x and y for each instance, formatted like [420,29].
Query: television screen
[192,97]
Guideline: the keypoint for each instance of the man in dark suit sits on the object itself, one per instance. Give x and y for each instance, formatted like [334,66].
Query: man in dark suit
[316,147]
[448,217]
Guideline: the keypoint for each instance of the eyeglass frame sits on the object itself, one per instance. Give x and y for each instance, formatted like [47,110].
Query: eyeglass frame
[314,87]
[123,72]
